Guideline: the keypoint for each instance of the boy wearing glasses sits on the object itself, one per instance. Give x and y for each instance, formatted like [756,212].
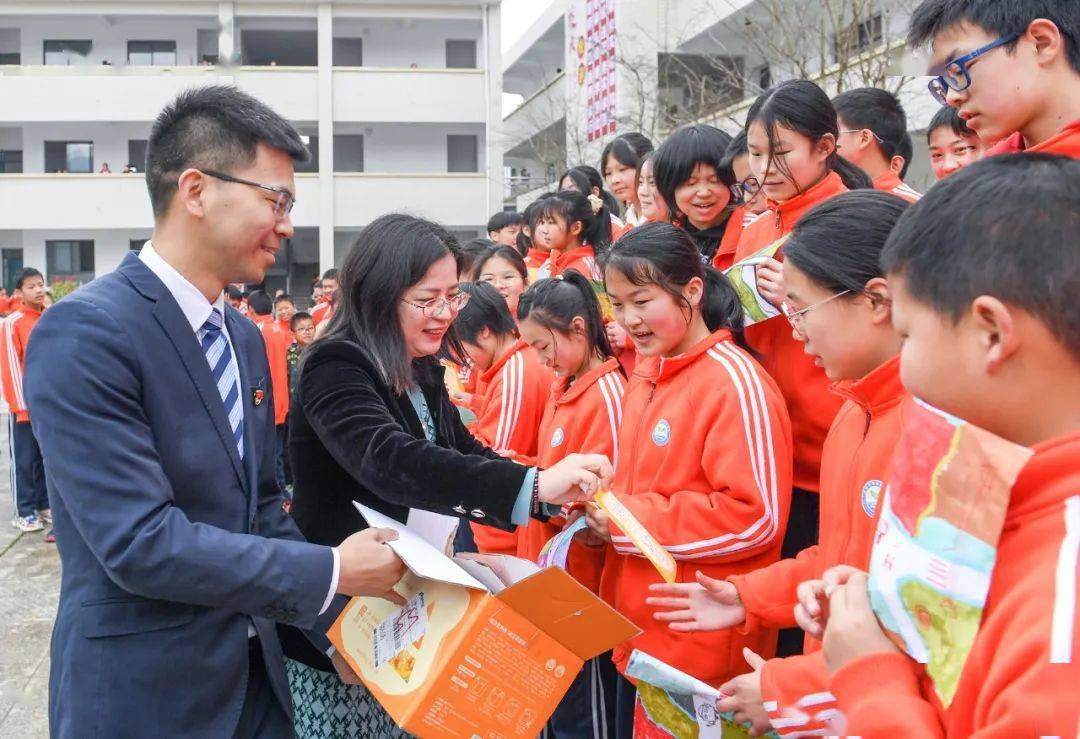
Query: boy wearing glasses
[873,125]
[1011,69]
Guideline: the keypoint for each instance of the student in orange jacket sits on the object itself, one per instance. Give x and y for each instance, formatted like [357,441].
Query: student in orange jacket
[278,337]
[505,270]
[983,343]
[704,449]
[560,319]
[952,144]
[32,511]
[791,135]
[514,388]
[747,192]
[839,307]
[324,309]
[1019,88]
[695,183]
[872,126]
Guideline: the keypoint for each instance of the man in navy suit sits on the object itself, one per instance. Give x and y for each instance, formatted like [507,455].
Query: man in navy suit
[152,403]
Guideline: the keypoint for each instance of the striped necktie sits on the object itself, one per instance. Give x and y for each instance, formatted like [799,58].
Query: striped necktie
[215,346]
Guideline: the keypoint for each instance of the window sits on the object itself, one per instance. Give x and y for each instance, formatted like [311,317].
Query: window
[11,161]
[207,46]
[12,261]
[860,36]
[460,54]
[70,260]
[136,245]
[152,53]
[348,52]
[764,77]
[348,153]
[137,154]
[265,48]
[67,52]
[312,164]
[462,153]
[69,156]
[9,58]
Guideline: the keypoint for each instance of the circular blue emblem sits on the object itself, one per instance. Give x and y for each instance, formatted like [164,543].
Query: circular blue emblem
[557,437]
[661,433]
[871,492]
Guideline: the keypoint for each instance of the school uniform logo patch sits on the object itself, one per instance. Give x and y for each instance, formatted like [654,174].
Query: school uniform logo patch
[871,491]
[557,437]
[661,433]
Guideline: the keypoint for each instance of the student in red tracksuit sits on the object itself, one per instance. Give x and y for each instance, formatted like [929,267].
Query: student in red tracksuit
[704,449]
[620,164]
[838,302]
[32,511]
[791,136]
[982,342]
[560,320]
[1022,93]
[747,192]
[278,337]
[514,387]
[872,126]
[952,144]
[695,183]
[324,309]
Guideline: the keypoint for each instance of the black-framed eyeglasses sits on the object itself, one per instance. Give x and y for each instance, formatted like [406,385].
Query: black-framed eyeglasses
[749,187]
[953,75]
[435,307]
[283,203]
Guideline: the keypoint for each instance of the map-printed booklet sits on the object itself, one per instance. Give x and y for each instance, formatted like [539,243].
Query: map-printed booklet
[936,541]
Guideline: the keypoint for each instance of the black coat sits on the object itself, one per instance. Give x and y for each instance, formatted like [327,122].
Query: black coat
[352,438]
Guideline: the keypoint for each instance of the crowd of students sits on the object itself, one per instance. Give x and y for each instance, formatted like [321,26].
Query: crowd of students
[599,320]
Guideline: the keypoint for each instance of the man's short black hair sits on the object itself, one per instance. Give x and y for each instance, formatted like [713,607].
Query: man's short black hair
[284,298]
[25,274]
[948,117]
[234,293]
[330,274]
[505,218]
[875,109]
[214,127]
[1004,226]
[297,317]
[998,18]
[260,303]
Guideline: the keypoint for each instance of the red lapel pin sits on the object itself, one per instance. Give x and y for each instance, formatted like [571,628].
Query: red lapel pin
[258,397]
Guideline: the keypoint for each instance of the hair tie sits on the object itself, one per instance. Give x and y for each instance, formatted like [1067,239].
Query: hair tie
[596,203]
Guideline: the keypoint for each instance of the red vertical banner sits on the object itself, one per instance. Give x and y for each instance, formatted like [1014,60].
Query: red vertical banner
[600,68]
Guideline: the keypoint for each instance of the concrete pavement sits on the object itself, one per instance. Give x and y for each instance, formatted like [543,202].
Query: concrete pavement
[29,587]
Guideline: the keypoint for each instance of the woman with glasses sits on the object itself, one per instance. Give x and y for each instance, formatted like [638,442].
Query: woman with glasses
[371,422]
[747,196]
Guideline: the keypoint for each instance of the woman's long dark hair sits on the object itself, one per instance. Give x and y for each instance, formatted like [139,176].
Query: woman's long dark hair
[664,255]
[392,254]
[802,106]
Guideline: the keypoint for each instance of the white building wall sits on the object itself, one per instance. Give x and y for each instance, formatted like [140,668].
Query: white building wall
[110,34]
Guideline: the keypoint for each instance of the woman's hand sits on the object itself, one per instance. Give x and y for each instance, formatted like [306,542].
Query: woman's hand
[853,630]
[742,696]
[576,477]
[461,399]
[705,605]
[770,281]
[597,519]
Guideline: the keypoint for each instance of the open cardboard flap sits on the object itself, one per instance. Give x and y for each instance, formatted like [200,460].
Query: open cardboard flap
[568,612]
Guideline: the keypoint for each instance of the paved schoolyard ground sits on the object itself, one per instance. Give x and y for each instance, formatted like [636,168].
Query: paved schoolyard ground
[29,587]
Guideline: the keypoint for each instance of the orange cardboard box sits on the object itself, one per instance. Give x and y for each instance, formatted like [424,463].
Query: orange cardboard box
[484,650]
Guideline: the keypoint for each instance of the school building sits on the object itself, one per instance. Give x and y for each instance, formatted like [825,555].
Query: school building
[586,69]
[398,102]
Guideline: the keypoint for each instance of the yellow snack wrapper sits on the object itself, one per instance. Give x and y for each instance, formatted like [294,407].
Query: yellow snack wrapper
[452,380]
[639,535]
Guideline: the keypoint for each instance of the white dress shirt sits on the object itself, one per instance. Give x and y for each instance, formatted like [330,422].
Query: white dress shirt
[196,309]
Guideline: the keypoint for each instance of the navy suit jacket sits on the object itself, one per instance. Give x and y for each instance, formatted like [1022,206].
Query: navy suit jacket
[171,545]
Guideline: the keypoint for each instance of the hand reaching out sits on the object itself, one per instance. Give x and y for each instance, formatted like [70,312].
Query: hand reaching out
[705,605]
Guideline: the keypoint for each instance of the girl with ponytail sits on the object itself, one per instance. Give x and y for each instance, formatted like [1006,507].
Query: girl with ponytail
[704,451]
[791,134]
[560,319]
